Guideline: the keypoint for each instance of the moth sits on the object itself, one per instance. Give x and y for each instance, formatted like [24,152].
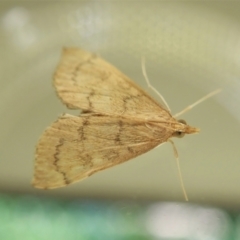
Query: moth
[119,121]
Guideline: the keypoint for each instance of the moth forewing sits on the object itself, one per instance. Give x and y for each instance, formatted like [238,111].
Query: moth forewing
[73,148]
[119,122]
[85,81]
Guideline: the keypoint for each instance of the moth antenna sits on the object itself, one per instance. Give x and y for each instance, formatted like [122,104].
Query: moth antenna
[179,169]
[198,102]
[144,72]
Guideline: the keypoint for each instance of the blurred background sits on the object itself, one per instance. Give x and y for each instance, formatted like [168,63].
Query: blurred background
[191,48]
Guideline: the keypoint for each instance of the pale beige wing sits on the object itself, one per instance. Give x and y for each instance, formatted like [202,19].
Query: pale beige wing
[85,81]
[73,148]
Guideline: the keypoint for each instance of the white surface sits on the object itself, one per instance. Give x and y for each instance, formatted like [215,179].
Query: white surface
[191,48]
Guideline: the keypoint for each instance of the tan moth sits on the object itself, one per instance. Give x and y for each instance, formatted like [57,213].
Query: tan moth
[119,121]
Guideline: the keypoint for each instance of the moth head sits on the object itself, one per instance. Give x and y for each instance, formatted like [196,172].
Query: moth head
[184,129]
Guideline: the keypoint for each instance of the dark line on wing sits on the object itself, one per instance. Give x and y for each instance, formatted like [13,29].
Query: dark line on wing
[56,160]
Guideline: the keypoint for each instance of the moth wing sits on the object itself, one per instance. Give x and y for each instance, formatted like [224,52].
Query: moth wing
[73,148]
[85,81]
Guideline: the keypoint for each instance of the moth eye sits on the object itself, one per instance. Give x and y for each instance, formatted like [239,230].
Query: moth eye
[182,121]
[178,134]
